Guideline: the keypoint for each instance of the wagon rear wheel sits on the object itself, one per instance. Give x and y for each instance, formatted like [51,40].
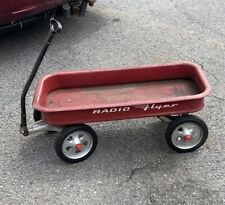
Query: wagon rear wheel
[75,144]
[186,133]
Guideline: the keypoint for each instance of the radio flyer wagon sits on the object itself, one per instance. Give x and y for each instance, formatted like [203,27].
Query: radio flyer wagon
[65,100]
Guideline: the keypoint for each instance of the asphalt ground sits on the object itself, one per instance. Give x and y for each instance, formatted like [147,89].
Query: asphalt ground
[132,163]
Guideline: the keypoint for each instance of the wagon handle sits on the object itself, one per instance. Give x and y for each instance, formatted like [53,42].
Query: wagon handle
[55,27]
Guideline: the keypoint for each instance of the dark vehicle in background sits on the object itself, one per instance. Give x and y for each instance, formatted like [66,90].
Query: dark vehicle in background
[18,12]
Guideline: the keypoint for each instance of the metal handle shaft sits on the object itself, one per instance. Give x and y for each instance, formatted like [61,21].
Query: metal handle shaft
[55,27]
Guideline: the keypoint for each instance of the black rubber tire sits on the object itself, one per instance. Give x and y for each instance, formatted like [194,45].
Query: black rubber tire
[64,134]
[184,119]
[37,115]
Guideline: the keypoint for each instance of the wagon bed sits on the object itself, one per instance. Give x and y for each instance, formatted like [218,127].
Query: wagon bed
[72,97]
[96,96]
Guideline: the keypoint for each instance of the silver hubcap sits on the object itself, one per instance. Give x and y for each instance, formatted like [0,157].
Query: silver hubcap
[187,135]
[77,145]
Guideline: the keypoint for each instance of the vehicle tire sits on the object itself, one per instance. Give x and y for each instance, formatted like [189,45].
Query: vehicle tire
[37,115]
[186,133]
[75,144]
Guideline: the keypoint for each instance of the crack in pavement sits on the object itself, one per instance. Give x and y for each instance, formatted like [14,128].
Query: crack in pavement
[132,173]
[218,98]
[195,61]
[198,63]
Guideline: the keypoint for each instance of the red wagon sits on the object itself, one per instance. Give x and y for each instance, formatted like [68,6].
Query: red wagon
[64,101]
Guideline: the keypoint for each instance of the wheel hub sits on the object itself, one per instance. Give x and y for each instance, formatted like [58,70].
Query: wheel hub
[187,135]
[187,138]
[77,145]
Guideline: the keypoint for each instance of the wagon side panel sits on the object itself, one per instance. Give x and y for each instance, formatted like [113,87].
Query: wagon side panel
[119,113]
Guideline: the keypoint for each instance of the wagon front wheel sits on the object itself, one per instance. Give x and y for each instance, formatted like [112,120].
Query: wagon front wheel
[186,133]
[75,144]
